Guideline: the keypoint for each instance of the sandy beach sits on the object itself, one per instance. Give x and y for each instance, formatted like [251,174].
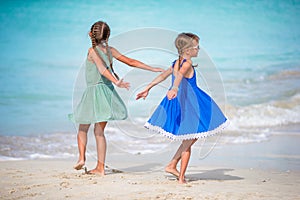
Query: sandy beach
[248,62]
[56,180]
[229,172]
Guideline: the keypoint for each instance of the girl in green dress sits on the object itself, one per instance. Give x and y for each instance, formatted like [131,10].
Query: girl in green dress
[100,103]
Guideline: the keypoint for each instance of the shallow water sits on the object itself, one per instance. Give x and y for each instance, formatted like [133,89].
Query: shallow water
[254,46]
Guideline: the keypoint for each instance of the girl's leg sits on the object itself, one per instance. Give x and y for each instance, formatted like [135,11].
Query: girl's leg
[172,166]
[101,148]
[185,157]
[81,141]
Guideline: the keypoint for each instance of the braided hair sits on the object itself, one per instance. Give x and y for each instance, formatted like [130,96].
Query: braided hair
[99,34]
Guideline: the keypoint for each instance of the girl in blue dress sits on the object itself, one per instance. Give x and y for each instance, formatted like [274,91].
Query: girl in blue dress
[187,112]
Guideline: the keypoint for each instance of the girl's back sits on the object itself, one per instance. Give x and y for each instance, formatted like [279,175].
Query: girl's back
[92,74]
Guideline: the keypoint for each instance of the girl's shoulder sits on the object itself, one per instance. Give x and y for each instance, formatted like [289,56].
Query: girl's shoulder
[185,62]
[90,49]
[94,50]
[113,50]
[89,55]
[188,61]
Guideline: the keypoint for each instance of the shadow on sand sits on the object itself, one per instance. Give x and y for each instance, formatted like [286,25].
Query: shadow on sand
[215,174]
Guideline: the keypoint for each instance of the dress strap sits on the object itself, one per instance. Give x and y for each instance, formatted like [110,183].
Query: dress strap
[103,56]
[107,59]
[173,63]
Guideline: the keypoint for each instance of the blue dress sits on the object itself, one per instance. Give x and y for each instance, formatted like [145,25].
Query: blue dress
[192,114]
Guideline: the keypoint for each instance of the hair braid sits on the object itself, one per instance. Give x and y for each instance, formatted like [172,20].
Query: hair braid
[94,43]
[109,55]
[99,34]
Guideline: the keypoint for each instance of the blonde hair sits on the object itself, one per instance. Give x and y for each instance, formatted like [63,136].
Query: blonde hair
[99,34]
[183,42]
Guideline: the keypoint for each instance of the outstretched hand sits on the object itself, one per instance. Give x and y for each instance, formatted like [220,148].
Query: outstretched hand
[142,94]
[122,84]
[157,69]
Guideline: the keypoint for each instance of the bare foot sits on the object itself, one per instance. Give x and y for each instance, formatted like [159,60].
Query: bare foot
[96,172]
[182,180]
[172,171]
[79,165]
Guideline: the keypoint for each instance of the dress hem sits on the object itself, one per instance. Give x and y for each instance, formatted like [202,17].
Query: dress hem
[189,136]
[72,119]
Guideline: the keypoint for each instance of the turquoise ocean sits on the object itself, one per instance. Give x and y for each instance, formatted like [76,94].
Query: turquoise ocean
[255,46]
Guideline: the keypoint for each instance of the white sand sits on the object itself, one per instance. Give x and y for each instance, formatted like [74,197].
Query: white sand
[48,179]
[268,170]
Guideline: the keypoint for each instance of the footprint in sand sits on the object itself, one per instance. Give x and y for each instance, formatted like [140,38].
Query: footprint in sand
[64,184]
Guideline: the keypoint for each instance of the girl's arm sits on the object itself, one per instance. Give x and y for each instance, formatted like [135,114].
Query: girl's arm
[103,70]
[132,62]
[155,81]
[178,77]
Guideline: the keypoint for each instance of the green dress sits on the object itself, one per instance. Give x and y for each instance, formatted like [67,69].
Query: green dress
[100,102]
